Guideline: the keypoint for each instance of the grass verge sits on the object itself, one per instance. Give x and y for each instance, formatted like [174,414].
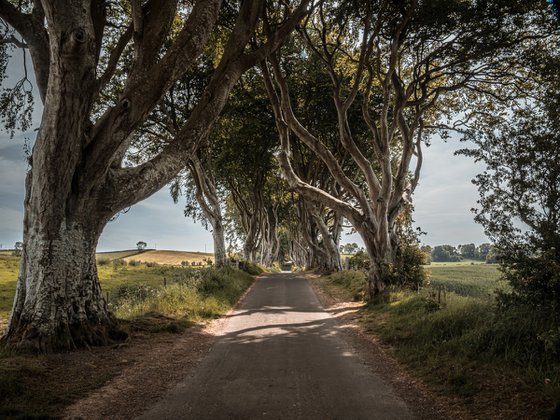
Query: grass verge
[145,299]
[492,363]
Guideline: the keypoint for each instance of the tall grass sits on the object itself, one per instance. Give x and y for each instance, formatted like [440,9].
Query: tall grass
[190,294]
[135,289]
[474,280]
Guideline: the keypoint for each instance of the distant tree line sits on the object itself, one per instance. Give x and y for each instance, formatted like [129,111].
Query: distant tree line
[449,253]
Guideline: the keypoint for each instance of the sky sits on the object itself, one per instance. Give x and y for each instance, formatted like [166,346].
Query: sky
[442,201]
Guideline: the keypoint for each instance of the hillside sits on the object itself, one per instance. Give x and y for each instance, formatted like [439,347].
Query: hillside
[170,257]
[117,255]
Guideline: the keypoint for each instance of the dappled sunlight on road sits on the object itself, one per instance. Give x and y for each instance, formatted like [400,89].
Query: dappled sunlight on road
[282,355]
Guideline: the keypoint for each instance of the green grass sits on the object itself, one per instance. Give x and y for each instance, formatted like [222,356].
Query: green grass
[38,386]
[9,269]
[189,294]
[178,299]
[458,263]
[478,280]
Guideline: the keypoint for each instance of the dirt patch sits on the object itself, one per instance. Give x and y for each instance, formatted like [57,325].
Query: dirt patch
[172,257]
[150,365]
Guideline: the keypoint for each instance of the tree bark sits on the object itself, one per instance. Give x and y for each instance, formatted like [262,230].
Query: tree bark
[59,304]
[207,197]
[219,244]
[331,256]
[381,256]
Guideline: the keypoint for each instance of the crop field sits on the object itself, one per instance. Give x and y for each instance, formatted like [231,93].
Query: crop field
[466,279]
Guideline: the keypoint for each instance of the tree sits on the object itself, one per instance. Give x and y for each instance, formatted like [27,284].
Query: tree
[399,66]
[198,185]
[101,69]
[350,248]
[445,253]
[468,251]
[141,245]
[18,247]
[483,250]
[520,192]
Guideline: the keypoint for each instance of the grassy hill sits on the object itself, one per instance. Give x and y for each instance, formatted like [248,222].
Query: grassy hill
[164,257]
[116,255]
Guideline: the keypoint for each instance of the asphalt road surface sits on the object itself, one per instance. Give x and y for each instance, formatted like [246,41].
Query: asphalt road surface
[281,356]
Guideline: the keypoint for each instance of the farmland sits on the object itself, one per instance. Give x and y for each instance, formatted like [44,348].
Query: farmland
[466,278]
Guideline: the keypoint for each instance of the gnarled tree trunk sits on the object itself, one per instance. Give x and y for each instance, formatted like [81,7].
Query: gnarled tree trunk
[381,255]
[59,303]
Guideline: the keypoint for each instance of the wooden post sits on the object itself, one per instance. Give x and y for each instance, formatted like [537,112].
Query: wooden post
[164,282]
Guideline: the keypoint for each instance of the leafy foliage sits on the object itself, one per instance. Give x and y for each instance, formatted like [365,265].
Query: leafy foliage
[445,253]
[520,198]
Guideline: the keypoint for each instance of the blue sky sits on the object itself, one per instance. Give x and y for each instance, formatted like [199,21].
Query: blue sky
[443,200]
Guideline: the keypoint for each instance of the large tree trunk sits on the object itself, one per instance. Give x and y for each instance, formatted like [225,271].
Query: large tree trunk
[382,256]
[59,304]
[78,180]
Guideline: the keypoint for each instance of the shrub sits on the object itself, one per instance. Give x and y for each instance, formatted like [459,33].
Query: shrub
[118,263]
[152,264]
[134,263]
[251,268]
[103,261]
[354,281]
[407,270]
[359,261]
[193,294]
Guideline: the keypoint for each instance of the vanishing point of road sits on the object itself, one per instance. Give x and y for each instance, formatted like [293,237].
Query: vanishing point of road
[281,356]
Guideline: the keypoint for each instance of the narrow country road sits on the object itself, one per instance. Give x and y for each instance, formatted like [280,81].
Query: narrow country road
[281,357]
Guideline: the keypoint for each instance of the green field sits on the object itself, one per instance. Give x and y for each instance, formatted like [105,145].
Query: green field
[9,269]
[465,278]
